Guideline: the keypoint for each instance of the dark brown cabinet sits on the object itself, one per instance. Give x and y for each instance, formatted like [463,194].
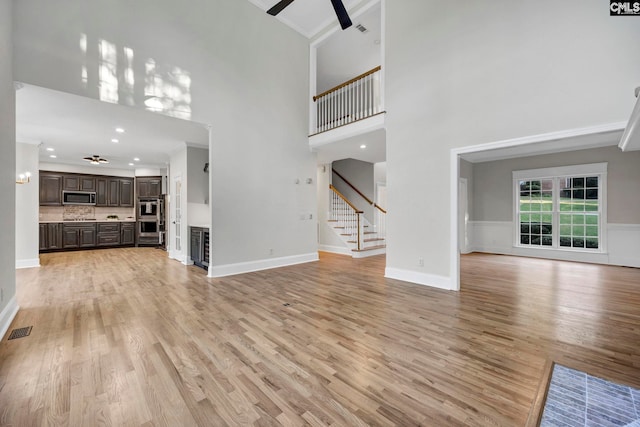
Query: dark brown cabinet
[111,191]
[50,189]
[50,236]
[108,234]
[126,192]
[78,183]
[114,192]
[78,236]
[85,235]
[128,233]
[149,186]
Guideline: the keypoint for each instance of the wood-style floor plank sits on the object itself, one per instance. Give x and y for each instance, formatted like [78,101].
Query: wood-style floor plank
[128,337]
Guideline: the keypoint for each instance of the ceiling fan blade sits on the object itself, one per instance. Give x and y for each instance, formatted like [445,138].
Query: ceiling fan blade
[279,7]
[341,12]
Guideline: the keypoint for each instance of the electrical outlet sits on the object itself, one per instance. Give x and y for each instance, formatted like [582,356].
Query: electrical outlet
[421,262]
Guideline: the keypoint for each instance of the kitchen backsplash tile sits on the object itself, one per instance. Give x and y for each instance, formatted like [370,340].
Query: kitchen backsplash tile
[69,212]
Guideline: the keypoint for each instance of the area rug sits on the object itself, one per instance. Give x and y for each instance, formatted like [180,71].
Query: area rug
[581,400]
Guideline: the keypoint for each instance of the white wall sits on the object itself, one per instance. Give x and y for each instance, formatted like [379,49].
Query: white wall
[198,191]
[461,74]
[8,304]
[380,172]
[27,206]
[233,66]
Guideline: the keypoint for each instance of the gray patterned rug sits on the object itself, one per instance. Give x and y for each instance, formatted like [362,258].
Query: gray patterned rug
[576,399]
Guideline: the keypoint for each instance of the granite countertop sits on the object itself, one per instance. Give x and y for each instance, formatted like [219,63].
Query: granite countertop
[72,221]
[200,226]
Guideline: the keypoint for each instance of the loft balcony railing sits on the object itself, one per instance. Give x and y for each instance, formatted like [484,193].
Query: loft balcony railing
[353,100]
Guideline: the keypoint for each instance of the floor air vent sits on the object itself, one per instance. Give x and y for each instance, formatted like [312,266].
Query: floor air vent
[20,332]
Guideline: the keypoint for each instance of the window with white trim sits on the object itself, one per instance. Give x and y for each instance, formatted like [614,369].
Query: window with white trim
[561,208]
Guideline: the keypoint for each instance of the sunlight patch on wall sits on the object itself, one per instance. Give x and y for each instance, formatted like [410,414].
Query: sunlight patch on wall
[129,76]
[167,90]
[107,71]
[84,75]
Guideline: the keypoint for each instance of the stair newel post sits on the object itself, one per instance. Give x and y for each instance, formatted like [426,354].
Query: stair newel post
[359,231]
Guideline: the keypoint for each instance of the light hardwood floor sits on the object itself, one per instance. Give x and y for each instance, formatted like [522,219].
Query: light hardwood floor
[127,337]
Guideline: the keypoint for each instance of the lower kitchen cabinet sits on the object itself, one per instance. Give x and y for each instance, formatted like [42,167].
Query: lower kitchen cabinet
[87,235]
[200,246]
[50,236]
[78,235]
[108,234]
[128,233]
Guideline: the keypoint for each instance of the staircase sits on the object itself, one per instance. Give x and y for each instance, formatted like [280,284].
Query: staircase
[361,237]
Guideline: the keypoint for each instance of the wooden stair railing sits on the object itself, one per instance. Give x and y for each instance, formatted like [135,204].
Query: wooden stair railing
[351,101]
[368,200]
[351,217]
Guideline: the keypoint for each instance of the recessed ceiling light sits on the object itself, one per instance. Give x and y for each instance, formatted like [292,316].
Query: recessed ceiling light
[53,156]
[131,164]
[136,159]
[51,149]
[115,140]
[119,130]
[363,146]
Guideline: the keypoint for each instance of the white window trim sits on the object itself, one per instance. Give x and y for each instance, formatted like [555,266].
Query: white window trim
[554,173]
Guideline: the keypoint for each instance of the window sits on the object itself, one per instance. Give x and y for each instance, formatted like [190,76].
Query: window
[561,208]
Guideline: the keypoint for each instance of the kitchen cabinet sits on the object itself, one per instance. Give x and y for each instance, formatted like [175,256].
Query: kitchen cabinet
[149,186]
[78,183]
[108,234]
[200,246]
[78,235]
[126,192]
[50,236]
[128,233]
[50,189]
[114,192]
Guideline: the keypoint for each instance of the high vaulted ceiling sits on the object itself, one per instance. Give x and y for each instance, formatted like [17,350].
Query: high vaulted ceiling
[308,17]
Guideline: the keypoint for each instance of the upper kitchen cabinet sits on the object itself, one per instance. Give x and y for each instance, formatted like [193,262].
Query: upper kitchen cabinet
[126,192]
[50,189]
[114,192]
[78,183]
[150,186]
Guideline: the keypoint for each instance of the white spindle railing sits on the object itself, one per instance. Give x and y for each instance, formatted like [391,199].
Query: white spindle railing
[348,218]
[351,101]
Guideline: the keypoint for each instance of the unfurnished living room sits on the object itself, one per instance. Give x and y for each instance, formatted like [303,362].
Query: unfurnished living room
[319,212]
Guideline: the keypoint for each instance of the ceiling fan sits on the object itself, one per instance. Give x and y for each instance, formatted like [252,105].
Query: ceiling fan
[338,6]
[95,159]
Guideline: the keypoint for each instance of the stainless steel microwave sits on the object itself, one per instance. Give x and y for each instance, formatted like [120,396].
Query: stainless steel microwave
[78,198]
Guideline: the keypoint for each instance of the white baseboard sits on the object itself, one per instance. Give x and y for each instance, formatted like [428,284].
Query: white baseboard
[28,263]
[335,249]
[262,264]
[435,281]
[7,315]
